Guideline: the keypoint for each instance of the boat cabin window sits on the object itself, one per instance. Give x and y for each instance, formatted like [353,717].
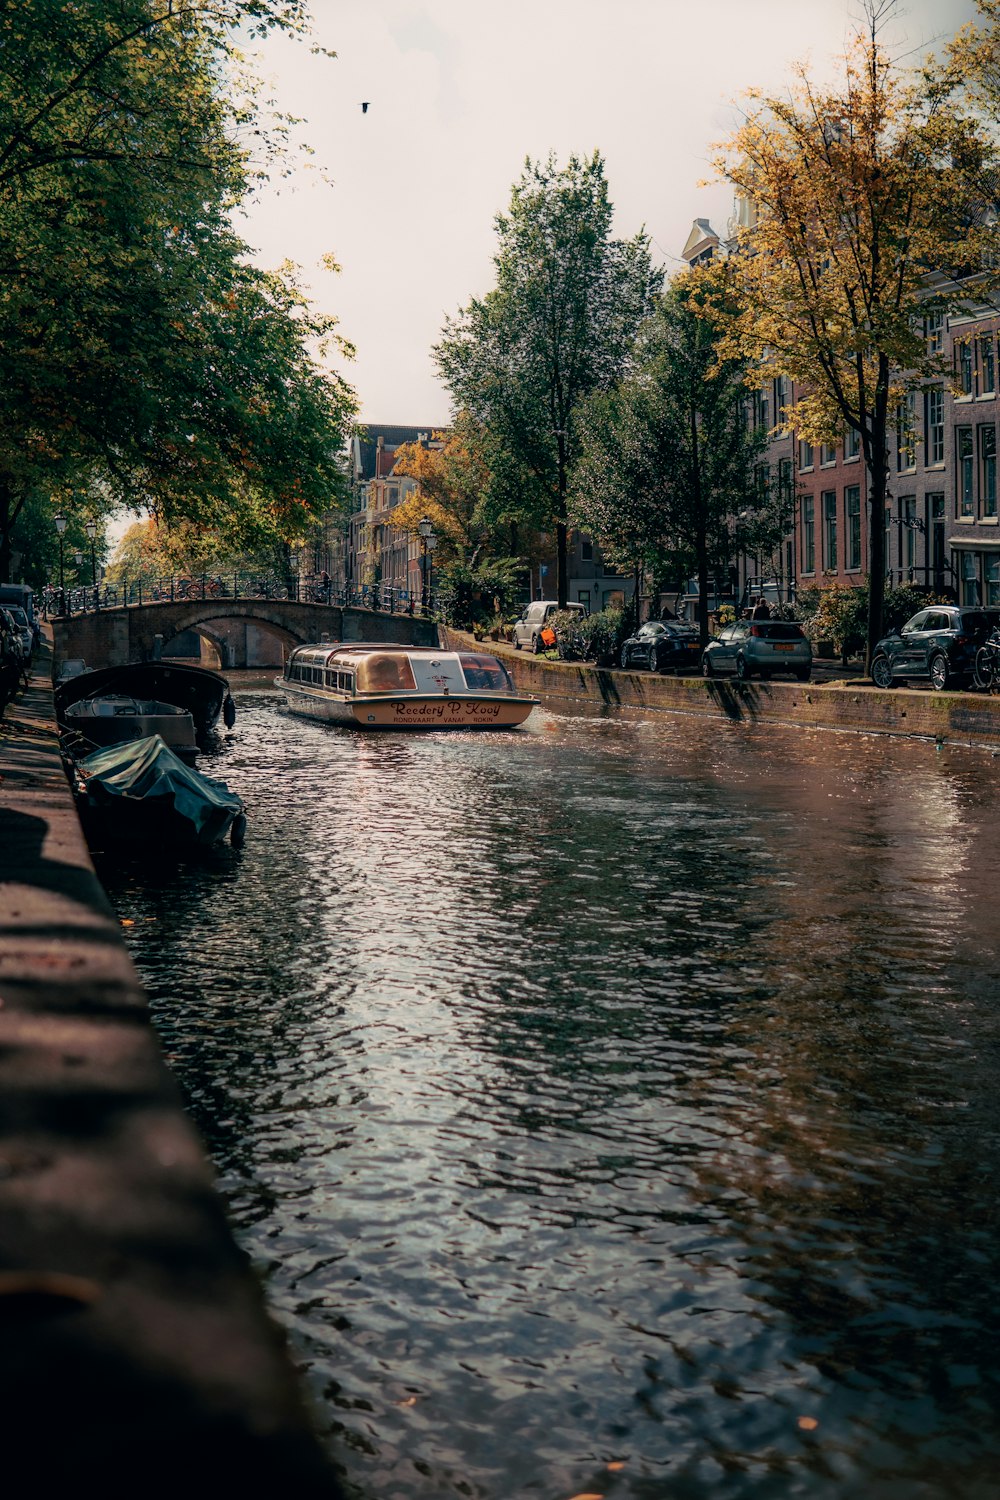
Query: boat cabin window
[382,673]
[485,672]
[341,682]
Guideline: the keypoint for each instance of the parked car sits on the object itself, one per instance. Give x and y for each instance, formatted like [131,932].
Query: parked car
[662,645]
[938,644]
[759,648]
[528,628]
[22,625]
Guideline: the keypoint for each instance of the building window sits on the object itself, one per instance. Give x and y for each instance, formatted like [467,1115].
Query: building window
[934,332]
[963,363]
[963,449]
[808,535]
[830,531]
[586,549]
[828,453]
[987,367]
[852,507]
[852,443]
[988,469]
[786,480]
[970,578]
[781,396]
[806,457]
[906,442]
[992,574]
[934,451]
[909,529]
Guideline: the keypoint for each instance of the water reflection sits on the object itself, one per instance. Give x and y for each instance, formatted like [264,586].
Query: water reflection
[611,1107]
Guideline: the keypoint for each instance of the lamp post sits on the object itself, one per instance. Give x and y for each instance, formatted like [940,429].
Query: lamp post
[59,521]
[426,530]
[91,529]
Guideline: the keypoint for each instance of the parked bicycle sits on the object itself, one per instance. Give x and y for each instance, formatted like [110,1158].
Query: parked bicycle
[986,669]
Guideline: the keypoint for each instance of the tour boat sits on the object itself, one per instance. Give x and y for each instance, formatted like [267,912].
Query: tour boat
[383,686]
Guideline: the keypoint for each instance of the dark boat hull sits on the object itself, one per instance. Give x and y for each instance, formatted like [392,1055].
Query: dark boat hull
[201,692]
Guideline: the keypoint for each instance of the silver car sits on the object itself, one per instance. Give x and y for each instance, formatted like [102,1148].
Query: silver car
[528,629]
[20,622]
[759,648]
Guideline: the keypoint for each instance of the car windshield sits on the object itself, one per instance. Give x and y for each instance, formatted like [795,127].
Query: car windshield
[18,616]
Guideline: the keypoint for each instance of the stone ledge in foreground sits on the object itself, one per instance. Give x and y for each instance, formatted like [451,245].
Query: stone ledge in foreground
[136,1357]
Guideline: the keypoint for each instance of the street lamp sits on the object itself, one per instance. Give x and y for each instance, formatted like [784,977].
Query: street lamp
[59,521]
[91,529]
[426,529]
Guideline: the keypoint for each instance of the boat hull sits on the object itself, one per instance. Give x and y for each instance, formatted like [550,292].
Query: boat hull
[410,710]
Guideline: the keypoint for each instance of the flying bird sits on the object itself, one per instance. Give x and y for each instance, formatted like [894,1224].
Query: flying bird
[364,106]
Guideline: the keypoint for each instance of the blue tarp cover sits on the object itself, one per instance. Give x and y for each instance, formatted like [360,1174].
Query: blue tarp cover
[149,768]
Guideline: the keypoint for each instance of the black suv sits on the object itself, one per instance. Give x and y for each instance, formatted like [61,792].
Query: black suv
[939,643]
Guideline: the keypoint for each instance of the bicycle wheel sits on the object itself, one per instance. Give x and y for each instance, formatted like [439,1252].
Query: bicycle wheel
[984,671]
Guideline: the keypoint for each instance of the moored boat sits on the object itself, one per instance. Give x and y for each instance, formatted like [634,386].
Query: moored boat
[118,718]
[141,792]
[200,692]
[386,686]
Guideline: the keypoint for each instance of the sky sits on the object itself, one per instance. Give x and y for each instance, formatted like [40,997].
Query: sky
[461,91]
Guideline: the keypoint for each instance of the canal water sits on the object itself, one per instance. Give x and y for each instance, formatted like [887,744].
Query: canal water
[610,1108]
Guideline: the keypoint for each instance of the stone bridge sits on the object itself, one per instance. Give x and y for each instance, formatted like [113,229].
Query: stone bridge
[242,632]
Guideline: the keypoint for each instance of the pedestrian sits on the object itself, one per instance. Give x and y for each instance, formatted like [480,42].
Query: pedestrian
[761,610]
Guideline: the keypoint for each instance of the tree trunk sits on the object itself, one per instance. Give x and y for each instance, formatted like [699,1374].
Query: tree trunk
[878,483]
[6,528]
[700,533]
[562,559]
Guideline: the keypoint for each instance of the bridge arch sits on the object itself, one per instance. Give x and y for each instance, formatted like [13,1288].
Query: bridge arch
[136,632]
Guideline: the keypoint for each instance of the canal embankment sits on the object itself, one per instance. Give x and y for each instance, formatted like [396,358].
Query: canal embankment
[957,718]
[136,1354]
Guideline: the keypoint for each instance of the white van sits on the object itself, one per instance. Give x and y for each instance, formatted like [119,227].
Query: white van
[528,629]
[20,596]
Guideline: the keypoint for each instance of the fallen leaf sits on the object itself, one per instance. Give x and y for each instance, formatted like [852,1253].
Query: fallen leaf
[619,1463]
[127,922]
[808,1424]
[588,1495]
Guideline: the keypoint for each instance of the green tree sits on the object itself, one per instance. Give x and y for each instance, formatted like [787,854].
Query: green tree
[669,456]
[145,361]
[558,325]
[862,204]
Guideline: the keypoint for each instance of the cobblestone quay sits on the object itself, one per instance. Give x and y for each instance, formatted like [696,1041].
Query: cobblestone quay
[136,1357]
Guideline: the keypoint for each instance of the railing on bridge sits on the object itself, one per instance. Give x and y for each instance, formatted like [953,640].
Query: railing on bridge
[311,589]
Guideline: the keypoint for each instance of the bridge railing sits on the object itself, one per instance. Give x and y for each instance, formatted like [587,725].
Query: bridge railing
[176,589]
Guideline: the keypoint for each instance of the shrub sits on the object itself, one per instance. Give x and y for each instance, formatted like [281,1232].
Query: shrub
[841,614]
[602,634]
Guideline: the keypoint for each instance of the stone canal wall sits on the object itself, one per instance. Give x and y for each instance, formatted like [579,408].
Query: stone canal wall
[953,718]
[135,1353]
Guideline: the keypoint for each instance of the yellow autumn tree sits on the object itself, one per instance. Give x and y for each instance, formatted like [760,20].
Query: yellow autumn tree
[451,478]
[861,207]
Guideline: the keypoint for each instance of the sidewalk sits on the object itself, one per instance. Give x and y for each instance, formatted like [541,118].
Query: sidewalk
[136,1356]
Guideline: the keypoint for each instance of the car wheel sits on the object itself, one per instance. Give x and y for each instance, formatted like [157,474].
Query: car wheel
[882,672]
[653,667]
[742,670]
[516,644]
[707,670]
[537,645]
[939,673]
[804,675]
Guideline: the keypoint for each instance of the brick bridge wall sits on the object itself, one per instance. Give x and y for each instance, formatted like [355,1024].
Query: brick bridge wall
[110,637]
